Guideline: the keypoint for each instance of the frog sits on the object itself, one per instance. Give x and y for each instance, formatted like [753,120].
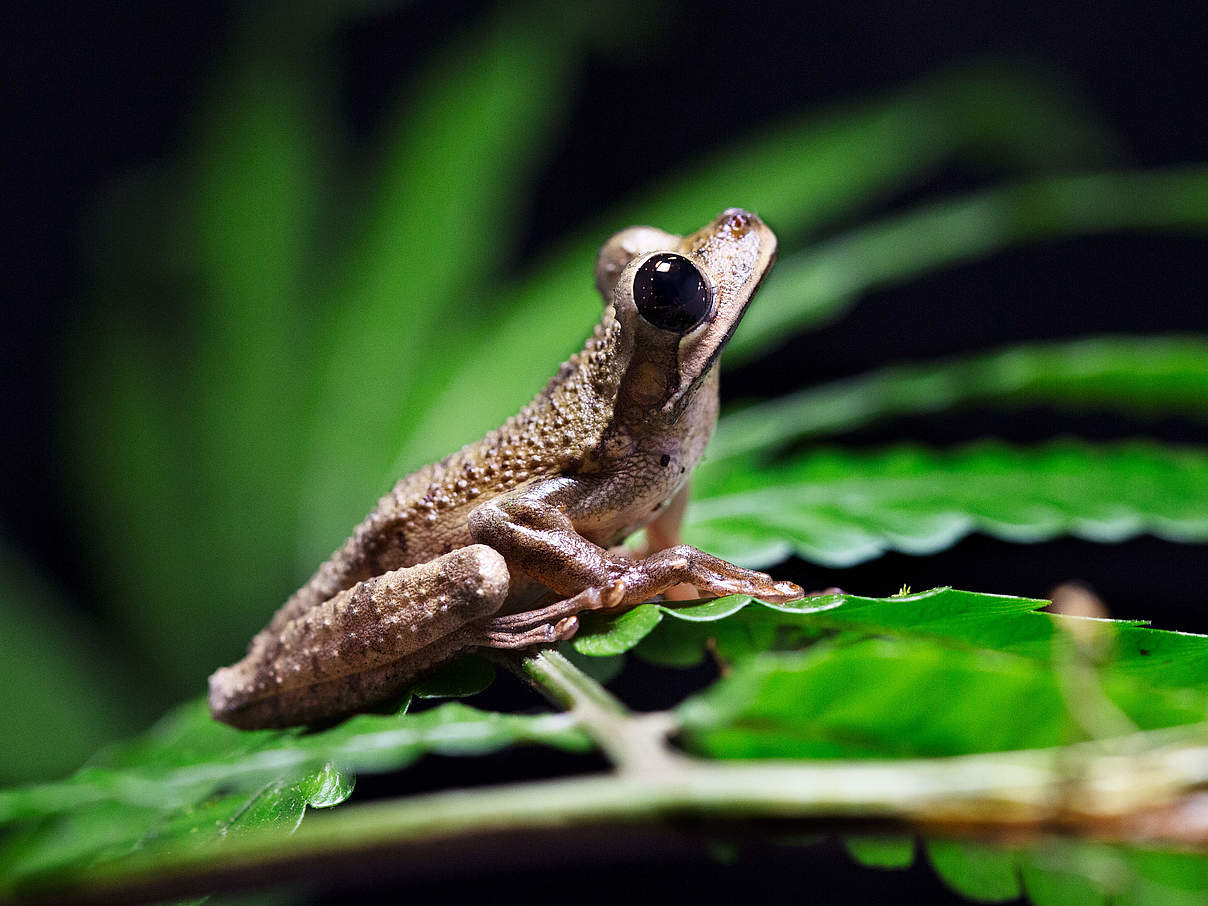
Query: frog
[503,544]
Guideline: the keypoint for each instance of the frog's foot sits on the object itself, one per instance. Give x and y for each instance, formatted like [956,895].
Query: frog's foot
[545,634]
[603,598]
[646,578]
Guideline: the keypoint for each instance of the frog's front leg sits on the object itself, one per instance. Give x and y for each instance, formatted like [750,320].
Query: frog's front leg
[535,532]
[367,643]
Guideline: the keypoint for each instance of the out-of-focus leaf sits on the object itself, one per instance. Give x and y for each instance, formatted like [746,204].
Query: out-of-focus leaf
[799,175]
[818,284]
[1057,871]
[885,698]
[840,508]
[978,872]
[63,695]
[1063,872]
[441,220]
[881,852]
[190,775]
[188,448]
[462,677]
[1154,376]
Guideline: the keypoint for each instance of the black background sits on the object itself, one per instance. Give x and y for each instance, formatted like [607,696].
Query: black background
[91,90]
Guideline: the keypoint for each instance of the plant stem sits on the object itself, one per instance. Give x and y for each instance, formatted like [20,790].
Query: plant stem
[1141,787]
[635,744]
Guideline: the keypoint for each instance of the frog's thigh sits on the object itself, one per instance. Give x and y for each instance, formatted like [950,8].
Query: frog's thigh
[361,645]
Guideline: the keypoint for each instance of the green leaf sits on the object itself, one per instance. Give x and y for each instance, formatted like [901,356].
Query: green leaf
[604,636]
[1064,872]
[465,676]
[899,697]
[680,642]
[1049,881]
[190,775]
[819,284]
[963,619]
[1059,871]
[881,852]
[839,508]
[1152,376]
[326,787]
[975,871]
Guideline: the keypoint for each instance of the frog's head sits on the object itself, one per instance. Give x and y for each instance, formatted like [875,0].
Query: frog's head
[679,299]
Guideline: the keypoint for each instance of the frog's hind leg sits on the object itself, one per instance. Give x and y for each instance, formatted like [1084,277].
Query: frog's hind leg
[363,644]
[545,634]
[601,598]
[544,625]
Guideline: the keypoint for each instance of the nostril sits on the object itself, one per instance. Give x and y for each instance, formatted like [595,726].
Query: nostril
[737,221]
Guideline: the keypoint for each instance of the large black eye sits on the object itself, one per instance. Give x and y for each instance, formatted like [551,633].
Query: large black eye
[671,293]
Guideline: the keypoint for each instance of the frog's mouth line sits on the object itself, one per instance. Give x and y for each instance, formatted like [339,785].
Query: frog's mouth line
[675,406]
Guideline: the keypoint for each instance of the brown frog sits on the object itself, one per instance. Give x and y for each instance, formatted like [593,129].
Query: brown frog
[502,543]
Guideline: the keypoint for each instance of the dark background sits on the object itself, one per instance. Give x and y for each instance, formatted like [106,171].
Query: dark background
[90,91]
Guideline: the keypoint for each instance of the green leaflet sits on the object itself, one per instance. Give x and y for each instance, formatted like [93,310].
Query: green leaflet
[897,697]
[818,284]
[1063,872]
[1148,376]
[189,775]
[623,633]
[740,627]
[838,508]
[881,852]
[187,756]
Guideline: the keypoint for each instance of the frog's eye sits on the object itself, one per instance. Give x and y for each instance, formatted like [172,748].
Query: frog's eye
[671,293]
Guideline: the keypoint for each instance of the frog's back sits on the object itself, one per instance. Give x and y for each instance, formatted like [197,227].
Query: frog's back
[425,514]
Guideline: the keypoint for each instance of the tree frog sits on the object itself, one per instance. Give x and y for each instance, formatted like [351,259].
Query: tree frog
[502,543]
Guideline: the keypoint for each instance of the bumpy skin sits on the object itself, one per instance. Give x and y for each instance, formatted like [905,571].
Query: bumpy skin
[502,542]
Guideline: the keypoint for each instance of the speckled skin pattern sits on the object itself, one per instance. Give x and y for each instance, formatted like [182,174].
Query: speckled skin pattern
[502,542]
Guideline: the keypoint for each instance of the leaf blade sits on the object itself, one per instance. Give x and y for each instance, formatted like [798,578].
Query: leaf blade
[1147,376]
[841,508]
